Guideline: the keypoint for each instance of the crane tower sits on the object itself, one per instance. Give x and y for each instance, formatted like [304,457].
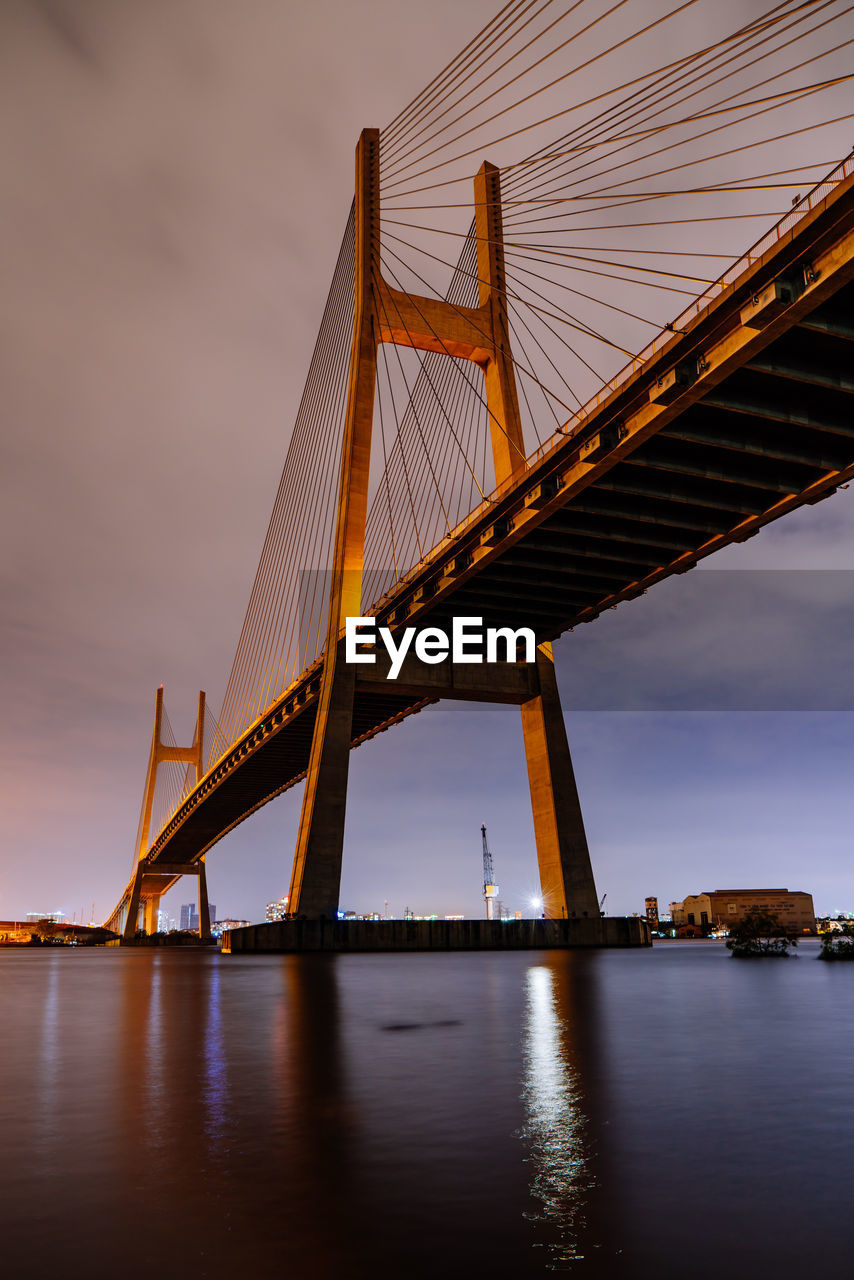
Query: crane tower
[490,888]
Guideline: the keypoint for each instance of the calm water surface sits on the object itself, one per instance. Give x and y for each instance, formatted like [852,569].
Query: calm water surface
[668,1112]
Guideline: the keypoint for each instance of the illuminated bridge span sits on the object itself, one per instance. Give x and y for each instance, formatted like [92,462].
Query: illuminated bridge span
[410,493]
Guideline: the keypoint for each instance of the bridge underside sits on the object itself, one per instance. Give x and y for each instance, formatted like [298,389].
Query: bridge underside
[671,467]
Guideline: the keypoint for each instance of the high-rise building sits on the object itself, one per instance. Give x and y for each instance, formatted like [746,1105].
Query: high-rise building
[651,910]
[276,910]
[190,916]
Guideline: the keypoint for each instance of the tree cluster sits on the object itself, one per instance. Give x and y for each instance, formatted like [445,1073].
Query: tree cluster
[760,933]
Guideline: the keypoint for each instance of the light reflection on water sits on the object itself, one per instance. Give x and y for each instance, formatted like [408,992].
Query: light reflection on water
[555,1124]
[509,1115]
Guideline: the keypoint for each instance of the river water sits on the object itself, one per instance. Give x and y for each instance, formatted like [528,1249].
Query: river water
[662,1112]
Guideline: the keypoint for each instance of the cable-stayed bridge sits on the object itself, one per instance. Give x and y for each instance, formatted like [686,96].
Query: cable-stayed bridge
[516,428]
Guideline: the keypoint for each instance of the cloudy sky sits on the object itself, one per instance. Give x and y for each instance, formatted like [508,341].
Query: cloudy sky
[176,178]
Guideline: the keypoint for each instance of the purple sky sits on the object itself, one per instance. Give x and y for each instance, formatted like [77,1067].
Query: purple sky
[177,177]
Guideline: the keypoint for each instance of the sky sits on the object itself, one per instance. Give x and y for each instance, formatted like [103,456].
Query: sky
[177,177]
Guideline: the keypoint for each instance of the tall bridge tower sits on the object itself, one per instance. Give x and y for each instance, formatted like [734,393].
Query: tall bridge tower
[481,335]
[148,883]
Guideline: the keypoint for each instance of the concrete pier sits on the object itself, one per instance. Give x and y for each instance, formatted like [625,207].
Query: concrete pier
[438,935]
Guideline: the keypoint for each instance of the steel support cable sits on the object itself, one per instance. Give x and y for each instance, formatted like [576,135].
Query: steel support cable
[574,258]
[687,164]
[459,289]
[411,529]
[290,479]
[561,172]
[642,197]
[458,410]
[660,93]
[463,282]
[569,348]
[473,410]
[463,373]
[518,339]
[318,412]
[250,678]
[302,609]
[675,275]
[515,298]
[300,446]
[316,531]
[536,158]
[312,619]
[657,89]
[712,189]
[718,155]
[480,147]
[411,473]
[440,96]
[437,83]
[163,805]
[378,538]
[441,455]
[401,169]
[559,337]
[304,530]
[294,465]
[446,352]
[211,735]
[402,444]
[499,290]
[403,455]
[414,411]
[640,159]
[564,317]
[465,480]
[295,608]
[496,71]
[544,155]
[521,383]
[788,96]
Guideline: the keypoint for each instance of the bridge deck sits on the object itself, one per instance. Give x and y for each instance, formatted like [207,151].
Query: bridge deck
[740,419]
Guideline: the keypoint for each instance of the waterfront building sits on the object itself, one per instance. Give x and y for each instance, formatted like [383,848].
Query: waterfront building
[723,908]
[276,911]
[651,911]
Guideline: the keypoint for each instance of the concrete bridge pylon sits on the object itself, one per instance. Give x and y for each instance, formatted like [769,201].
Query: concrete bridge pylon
[481,335]
[146,886]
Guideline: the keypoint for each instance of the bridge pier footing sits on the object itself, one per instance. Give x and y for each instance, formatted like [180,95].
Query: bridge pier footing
[438,935]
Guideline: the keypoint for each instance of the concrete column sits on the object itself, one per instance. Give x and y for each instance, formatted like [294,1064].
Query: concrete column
[204,908]
[316,873]
[150,921]
[566,876]
[132,918]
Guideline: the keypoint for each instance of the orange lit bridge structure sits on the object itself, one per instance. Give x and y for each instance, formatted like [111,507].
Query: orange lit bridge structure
[736,414]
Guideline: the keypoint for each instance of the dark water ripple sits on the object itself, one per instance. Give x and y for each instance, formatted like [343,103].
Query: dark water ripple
[671,1112]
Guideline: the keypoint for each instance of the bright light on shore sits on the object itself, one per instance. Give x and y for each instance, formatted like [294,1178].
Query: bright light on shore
[537,904]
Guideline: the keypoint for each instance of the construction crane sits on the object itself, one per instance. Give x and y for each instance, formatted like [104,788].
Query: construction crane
[490,888]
